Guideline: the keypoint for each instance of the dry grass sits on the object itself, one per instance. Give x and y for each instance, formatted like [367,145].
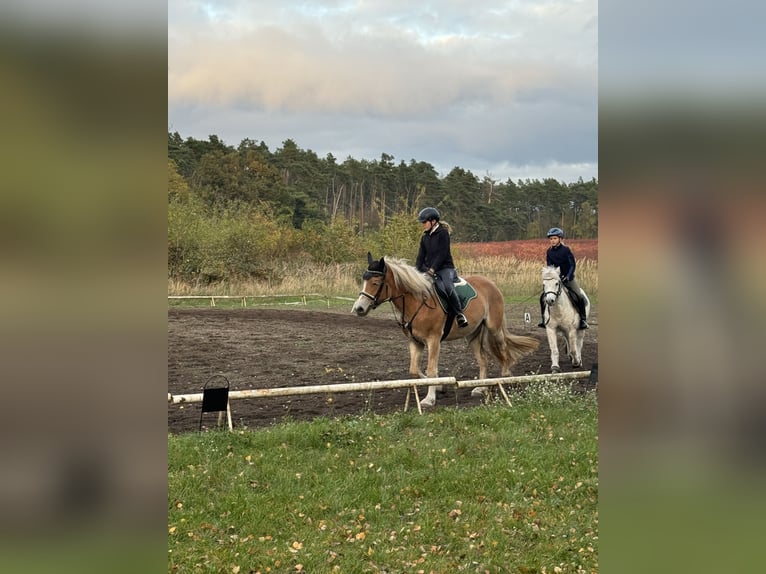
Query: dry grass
[517,279]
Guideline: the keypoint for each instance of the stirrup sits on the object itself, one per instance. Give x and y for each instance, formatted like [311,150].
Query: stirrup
[583,324]
[461,321]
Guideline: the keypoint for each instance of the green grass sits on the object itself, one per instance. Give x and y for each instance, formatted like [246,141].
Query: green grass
[489,489]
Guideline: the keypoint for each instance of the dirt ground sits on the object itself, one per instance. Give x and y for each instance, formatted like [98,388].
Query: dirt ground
[264,348]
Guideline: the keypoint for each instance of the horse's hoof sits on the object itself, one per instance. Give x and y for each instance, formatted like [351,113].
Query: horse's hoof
[478,392]
[427,403]
[555,369]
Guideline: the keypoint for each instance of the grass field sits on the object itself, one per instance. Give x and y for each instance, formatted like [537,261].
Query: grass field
[489,489]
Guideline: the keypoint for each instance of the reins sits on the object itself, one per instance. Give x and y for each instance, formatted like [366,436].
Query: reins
[555,294]
[407,325]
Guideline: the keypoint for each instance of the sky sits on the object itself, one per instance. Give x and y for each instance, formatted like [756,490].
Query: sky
[506,89]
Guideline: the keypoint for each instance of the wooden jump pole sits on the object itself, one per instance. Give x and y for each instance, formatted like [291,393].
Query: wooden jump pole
[378,385]
[312,389]
[520,380]
[558,377]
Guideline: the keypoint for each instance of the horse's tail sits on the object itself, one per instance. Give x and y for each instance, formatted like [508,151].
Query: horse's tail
[508,348]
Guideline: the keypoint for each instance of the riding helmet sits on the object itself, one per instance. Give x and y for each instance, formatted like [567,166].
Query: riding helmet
[427,214]
[555,231]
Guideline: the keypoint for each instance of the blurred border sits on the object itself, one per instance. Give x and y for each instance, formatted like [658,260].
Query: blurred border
[82,297]
[681,134]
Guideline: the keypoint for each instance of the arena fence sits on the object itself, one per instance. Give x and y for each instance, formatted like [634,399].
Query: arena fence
[410,384]
[302,299]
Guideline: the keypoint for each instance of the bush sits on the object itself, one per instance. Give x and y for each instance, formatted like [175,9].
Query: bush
[233,243]
[333,243]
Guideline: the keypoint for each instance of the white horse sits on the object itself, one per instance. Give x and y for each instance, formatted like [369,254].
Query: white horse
[561,316]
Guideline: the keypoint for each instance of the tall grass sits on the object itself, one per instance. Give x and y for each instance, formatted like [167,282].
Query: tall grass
[520,278]
[341,279]
[490,489]
[517,279]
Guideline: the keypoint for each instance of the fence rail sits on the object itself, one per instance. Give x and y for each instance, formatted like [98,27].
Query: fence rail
[303,299]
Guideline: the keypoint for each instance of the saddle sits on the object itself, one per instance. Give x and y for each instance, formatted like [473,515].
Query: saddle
[465,293]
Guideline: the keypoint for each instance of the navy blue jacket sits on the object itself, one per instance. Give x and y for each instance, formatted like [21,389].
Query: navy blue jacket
[434,252]
[561,256]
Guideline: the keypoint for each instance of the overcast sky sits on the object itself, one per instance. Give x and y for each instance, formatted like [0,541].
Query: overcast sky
[505,88]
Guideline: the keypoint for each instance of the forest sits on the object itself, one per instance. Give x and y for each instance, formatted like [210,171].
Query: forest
[231,202]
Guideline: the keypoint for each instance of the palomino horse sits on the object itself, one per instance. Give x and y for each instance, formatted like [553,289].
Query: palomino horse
[562,316]
[424,321]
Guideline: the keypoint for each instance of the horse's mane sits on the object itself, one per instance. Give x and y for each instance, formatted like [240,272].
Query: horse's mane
[550,272]
[407,277]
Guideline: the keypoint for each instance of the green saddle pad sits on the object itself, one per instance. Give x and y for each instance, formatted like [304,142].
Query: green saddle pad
[465,293]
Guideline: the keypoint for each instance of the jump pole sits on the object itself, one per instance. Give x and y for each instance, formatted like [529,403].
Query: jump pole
[409,384]
[315,389]
[520,380]
[557,377]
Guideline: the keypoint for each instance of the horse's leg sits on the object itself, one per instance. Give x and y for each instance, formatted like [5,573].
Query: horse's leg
[577,354]
[574,348]
[416,354]
[478,345]
[553,344]
[432,370]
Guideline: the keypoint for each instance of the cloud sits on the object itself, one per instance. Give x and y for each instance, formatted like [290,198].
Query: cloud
[433,72]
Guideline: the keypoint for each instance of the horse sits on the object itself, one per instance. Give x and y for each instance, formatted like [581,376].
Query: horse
[562,317]
[423,320]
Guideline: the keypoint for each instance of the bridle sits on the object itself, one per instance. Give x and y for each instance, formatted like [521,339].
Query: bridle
[374,298]
[555,293]
[403,323]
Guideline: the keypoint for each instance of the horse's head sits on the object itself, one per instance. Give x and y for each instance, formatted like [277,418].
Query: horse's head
[374,280]
[551,284]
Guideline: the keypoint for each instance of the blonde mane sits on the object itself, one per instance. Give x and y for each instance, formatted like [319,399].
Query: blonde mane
[407,278]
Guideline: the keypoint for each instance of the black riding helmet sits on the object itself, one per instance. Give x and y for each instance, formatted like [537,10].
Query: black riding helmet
[427,214]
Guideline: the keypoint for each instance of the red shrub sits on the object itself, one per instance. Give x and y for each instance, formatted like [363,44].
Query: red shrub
[527,249]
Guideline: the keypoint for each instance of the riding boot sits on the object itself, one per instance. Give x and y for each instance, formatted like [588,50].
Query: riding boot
[542,311]
[581,309]
[454,301]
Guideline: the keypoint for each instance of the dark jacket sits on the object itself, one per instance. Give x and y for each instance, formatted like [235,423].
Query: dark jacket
[434,252]
[561,256]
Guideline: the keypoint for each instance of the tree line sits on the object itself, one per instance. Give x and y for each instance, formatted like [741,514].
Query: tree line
[233,197]
[298,183]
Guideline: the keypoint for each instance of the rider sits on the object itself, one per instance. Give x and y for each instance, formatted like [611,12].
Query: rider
[435,258]
[559,255]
